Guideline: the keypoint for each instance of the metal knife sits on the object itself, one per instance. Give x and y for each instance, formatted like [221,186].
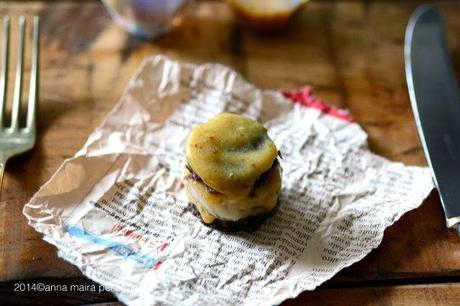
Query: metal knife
[435,99]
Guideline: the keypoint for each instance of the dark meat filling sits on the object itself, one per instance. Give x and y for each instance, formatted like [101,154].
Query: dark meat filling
[262,178]
[195,177]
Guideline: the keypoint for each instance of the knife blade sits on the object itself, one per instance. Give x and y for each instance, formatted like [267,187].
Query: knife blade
[435,100]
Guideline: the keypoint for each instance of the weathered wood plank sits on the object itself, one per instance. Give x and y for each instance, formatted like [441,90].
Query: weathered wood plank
[420,295]
[351,52]
[72,291]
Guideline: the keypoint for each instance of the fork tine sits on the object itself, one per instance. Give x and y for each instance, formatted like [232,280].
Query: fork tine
[34,82]
[4,67]
[18,83]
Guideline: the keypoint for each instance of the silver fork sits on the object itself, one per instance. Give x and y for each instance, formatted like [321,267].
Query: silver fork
[15,138]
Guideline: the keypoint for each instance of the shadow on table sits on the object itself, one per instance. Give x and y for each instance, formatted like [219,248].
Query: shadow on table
[22,169]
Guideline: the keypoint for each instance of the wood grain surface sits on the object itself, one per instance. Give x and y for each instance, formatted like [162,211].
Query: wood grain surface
[420,295]
[350,52]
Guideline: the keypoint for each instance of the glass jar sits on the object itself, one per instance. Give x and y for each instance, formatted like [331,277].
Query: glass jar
[146,18]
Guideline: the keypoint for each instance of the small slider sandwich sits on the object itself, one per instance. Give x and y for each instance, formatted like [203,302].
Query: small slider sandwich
[232,176]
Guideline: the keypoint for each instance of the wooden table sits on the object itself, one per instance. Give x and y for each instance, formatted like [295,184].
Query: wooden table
[351,52]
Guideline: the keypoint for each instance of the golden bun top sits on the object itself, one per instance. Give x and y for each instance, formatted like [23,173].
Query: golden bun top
[230,152]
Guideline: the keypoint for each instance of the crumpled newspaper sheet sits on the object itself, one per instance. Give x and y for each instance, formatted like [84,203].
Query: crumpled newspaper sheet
[117,209]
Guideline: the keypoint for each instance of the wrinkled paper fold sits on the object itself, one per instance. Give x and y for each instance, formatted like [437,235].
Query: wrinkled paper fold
[117,209]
